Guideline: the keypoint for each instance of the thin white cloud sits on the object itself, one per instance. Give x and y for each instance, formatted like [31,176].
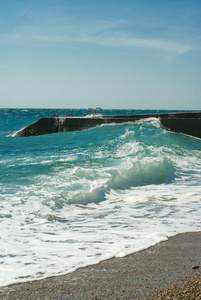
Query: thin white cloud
[119,41]
[69,34]
[132,42]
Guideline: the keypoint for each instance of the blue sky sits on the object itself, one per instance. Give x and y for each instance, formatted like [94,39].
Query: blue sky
[135,54]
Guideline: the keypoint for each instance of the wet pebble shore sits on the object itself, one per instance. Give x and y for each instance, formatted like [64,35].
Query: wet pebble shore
[168,270]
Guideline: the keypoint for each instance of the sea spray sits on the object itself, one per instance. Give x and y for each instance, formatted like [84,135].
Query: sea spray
[75,198]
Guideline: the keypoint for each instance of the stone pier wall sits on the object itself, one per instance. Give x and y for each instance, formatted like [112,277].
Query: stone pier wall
[187,123]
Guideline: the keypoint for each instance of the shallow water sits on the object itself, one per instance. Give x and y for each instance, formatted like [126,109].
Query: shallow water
[72,199]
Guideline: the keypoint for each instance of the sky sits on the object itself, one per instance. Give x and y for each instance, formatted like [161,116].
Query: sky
[120,54]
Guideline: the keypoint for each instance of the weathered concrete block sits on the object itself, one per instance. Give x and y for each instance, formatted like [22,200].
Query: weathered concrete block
[188,123]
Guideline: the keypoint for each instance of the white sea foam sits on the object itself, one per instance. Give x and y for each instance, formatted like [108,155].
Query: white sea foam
[98,194]
[16,133]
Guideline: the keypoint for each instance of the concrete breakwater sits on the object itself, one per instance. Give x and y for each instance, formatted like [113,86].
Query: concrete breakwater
[183,122]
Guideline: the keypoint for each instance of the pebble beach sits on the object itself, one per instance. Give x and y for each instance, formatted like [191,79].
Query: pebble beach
[168,270]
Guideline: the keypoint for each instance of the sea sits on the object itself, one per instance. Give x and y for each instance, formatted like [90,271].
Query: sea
[72,199]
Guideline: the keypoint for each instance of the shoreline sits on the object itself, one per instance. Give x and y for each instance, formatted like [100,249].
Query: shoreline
[147,274]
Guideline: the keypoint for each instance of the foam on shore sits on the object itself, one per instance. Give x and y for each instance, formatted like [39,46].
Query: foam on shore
[132,277]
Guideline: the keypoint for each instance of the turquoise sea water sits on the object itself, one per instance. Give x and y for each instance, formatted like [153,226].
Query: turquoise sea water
[75,198]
